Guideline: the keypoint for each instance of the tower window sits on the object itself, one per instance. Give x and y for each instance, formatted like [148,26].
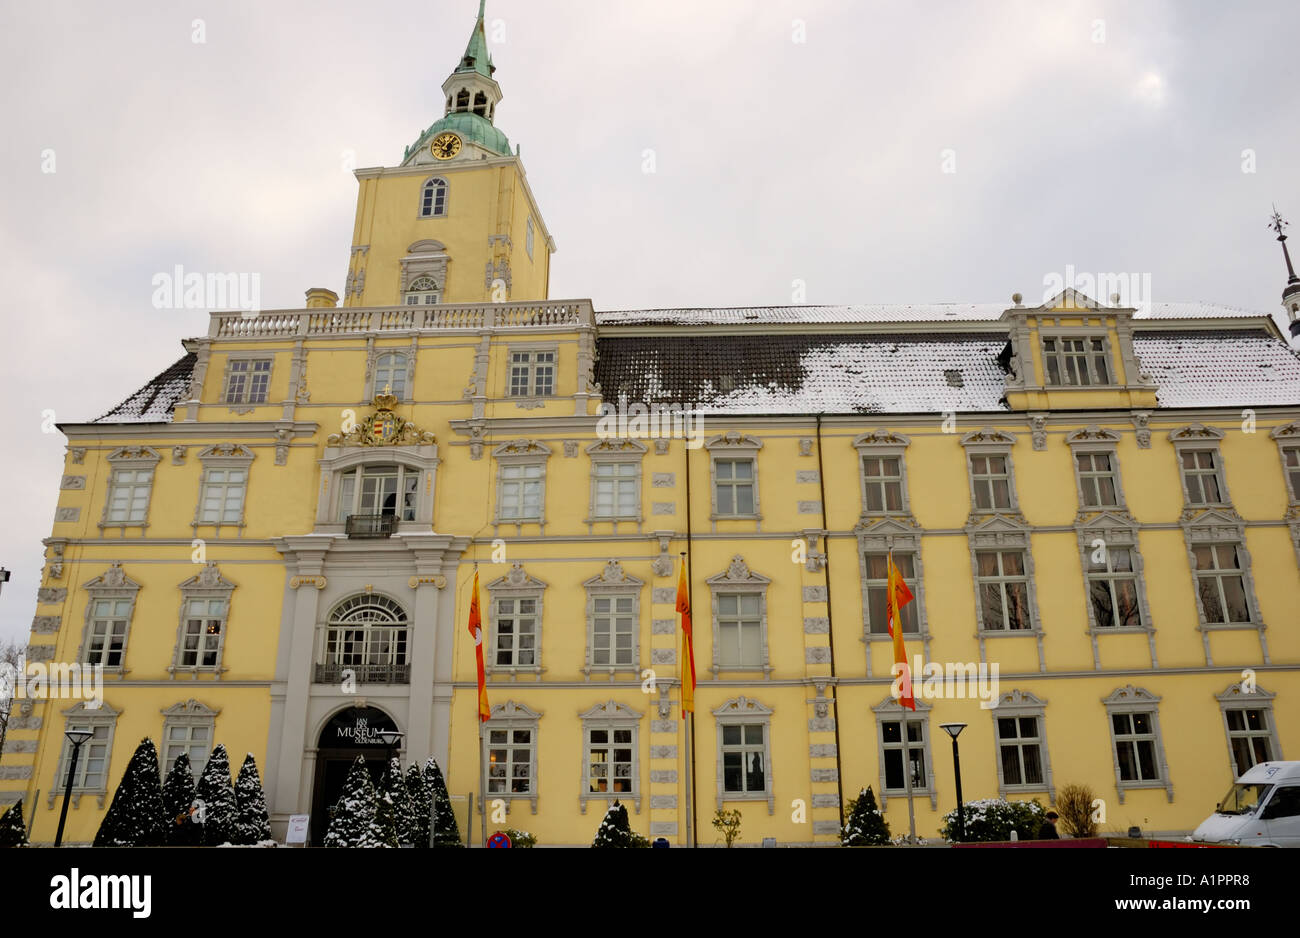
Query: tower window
[462,99]
[480,104]
[433,198]
[423,291]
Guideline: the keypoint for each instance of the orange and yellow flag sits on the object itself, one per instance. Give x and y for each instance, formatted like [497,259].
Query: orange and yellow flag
[898,596]
[476,632]
[688,680]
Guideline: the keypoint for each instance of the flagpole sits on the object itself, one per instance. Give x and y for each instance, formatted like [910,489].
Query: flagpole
[482,783]
[907,776]
[683,671]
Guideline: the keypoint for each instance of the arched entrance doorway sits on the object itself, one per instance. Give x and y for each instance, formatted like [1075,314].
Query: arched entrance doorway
[351,732]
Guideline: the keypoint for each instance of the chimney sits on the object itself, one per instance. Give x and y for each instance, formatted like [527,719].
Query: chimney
[320,298]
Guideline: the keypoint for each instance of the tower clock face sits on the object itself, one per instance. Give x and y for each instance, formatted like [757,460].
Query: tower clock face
[445,146]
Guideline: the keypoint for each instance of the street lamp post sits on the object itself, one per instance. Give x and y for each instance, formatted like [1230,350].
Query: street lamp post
[76,737]
[954,730]
[392,739]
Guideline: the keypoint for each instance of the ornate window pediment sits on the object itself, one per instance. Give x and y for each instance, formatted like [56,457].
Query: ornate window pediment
[1130,697]
[613,577]
[1195,433]
[738,574]
[1092,434]
[742,707]
[989,437]
[516,579]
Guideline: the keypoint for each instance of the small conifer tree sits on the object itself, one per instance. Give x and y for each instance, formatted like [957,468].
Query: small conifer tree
[178,798]
[252,824]
[420,805]
[136,817]
[446,832]
[614,830]
[866,825]
[215,798]
[354,811]
[13,832]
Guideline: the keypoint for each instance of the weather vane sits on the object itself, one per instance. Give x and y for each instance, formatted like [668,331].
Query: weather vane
[1278,223]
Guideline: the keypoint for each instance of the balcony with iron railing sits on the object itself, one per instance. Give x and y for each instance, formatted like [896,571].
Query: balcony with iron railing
[462,317]
[389,673]
[361,526]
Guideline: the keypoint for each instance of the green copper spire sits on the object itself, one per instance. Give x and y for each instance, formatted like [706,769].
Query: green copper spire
[476,58]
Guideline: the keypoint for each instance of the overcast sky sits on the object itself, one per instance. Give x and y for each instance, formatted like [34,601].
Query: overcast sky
[792,140]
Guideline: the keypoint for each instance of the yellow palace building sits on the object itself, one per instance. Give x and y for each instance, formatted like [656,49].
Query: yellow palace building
[271,544]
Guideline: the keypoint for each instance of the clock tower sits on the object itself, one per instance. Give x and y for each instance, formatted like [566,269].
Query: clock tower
[455,221]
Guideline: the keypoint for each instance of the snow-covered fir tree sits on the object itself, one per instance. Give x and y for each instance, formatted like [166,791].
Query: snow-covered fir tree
[216,799]
[353,813]
[13,830]
[178,797]
[446,832]
[420,800]
[866,826]
[390,794]
[615,830]
[136,817]
[252,824]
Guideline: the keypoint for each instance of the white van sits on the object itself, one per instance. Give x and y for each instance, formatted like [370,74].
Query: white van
[1262,809]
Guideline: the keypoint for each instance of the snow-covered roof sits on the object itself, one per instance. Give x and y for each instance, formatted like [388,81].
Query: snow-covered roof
[1219,368]
[926,312]
[803,374]
[155,402]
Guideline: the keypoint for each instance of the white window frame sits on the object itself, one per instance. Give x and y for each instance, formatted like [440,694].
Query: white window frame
[508,717]
[243,402]
[532,369]
[1002,579]
[1257,698]
[744,711]
[79,716]
[733,446]
[208,586]
[223,458]
[372,630]
[986,443]
[1288,442]
[889,711]
[429,202]
[1062,356]
[1091,442]
[392,364]
[1198,438]
[404,474]
[187,716]
[340,460]
[912,609]
[1129,700]
[1018,705]
[610,717]
[421,291]
[521,453]
[618,453]
[132,461]
[739,580]
[611,585]
[516,585]
[883,444]
[111,586]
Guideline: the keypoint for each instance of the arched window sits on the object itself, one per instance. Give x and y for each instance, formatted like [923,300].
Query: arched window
[480,104]
[423,291]
[379,491]
[462,100]
[367,635]
[433,198]
[390,375]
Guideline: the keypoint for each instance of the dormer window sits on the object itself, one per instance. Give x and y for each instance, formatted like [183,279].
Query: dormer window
[433,198]
[1075,361]
[423,291]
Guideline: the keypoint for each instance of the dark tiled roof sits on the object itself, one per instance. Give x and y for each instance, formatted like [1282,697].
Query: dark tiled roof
[800,374]
[1219,368]
[155,402]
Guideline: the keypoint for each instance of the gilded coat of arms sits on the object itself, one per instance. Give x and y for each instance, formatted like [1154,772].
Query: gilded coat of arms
[382,428]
